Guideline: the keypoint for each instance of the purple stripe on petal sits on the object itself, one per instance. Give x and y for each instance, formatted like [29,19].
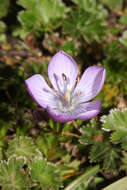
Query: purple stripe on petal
[88,110]
[62,64]
[90,83]
[40,91]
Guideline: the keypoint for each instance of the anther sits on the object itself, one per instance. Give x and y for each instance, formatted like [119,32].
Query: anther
[64,77]
[77,79]
[79,94]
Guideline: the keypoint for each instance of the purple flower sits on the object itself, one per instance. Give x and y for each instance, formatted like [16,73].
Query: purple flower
[68,100]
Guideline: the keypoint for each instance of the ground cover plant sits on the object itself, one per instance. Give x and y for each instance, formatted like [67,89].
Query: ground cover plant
[82,151]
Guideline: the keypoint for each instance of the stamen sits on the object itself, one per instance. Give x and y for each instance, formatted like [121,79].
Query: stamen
[79,94]
[65,83]
[56,79]
[77,79]
[64,77]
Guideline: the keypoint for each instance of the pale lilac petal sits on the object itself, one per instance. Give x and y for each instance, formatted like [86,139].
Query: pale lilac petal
[82,111]
[88,110]
[90,83]
[40,91]
[62,63]
[60,116]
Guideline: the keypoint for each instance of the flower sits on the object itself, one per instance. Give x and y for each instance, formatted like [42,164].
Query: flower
[69,100]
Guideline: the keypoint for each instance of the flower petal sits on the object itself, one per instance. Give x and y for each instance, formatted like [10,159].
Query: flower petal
[60,116]
[62,64]
[90,83]
[88,110]
[82,112]
[40,91]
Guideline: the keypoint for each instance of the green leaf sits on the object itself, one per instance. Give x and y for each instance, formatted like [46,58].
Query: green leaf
[113,4]
[23,146]
[103,152]
[41,14]
[27,18]
[2,27]
[1,153]
[124,160]
[87,5]
[118,185]
[12,175]
[49,146]
[115,65]
[91,134]
[123,39]
[123,20]
[4,4]
[116,120]
[82,181]
[45,143]
[119,137]
[45,173]
[98,152]
[111,161]
[29,4]
[90,23]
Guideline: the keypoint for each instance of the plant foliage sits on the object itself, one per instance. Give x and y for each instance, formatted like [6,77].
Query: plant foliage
[116,121]
[45,173]
[12,175]
[82,182]
[41,14]
[24,147]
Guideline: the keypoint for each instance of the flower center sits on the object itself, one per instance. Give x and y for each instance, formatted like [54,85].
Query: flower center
[67,101]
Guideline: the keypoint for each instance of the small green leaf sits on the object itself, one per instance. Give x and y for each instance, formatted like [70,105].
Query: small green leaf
[116,136]
[124,160]
[4,4]
[123,20]
[41,14]
[98,151]
[46,143]
[29,4]
[91,133]
[1,153]
[28,19]
[86,4]
[82,181]
[119,137]
[23,146]
[12,175]
[113,4]
[45,173]
[116,120]
[49,146]
[2,27]
[123,39]
[88,21]
[103,152]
